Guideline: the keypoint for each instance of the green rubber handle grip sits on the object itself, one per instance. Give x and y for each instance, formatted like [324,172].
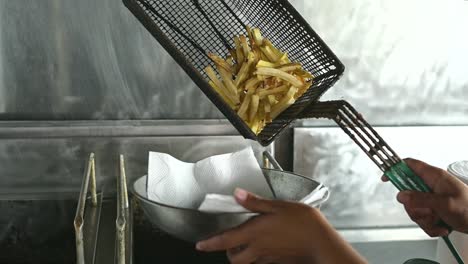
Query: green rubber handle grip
[404,178]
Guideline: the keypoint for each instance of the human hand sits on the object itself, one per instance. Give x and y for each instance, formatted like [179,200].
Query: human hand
[286,232]
[448,200]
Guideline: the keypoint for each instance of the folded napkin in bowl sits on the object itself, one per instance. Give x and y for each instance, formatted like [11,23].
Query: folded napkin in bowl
[208,184]
[217,203]
[176,183]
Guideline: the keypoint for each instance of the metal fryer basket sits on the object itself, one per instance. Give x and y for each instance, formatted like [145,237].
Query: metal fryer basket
[189,29]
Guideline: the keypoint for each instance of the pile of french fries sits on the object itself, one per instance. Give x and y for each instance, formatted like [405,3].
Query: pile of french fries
[257,80]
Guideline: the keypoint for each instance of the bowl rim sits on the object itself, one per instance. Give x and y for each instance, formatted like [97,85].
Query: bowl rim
[147,200]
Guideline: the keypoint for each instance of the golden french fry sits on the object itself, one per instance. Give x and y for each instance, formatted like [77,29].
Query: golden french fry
[250,36]
[227,80]
[272,99]
[239,52]
[255,42]
[304,74]
[252,83]
[230,61]
[289,67]
[255,126]
[253,106]
[245,46]
[269,54]
[280,89]
[267,43]
[284,59]
[284,103]
[219,62]
[212,75]
[245,106]
[257,35]
[280,74]
[280,107]
[263,63]
[244,70]
[222,85]
[223,95]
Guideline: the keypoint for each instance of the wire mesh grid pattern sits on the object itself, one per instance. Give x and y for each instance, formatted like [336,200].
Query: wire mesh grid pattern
[189,29]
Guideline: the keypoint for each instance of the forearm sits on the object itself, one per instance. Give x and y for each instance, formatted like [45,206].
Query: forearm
[332,248]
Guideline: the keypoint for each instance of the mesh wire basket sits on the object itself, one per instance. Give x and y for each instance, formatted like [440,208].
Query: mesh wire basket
[189,29]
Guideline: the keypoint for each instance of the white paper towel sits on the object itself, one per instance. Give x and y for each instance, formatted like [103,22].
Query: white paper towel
[216,203]
[181,184]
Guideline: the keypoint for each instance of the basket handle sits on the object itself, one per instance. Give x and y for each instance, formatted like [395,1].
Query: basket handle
[362,133]
[354,125]
[196,3]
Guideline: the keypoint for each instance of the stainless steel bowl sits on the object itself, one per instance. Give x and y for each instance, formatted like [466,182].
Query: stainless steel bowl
[192,225]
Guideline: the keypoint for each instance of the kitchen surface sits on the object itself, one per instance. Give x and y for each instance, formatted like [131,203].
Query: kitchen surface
[81,77]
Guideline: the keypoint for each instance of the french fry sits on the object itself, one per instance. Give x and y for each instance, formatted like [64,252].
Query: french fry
[230,61]
[273,49]
[245,46]
[239,52]
[269,54]
[221,93]
[245,106]
[267,108]
[257,35]
[280,89]
[284,103]
[212,75]
[280,107]
[227,80]
[255,41]
[220,62]
[252,41]
[252,83]
[284,59]
[280,74]
[253,106]
[243,73]
[290,67]
[272,99]
[263,63]
[254,125]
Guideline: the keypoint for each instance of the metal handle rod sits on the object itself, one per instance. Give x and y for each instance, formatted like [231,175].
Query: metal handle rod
[196,3]
[268,157]
[175,28]
[93,182]
[79,216]
[121,221]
